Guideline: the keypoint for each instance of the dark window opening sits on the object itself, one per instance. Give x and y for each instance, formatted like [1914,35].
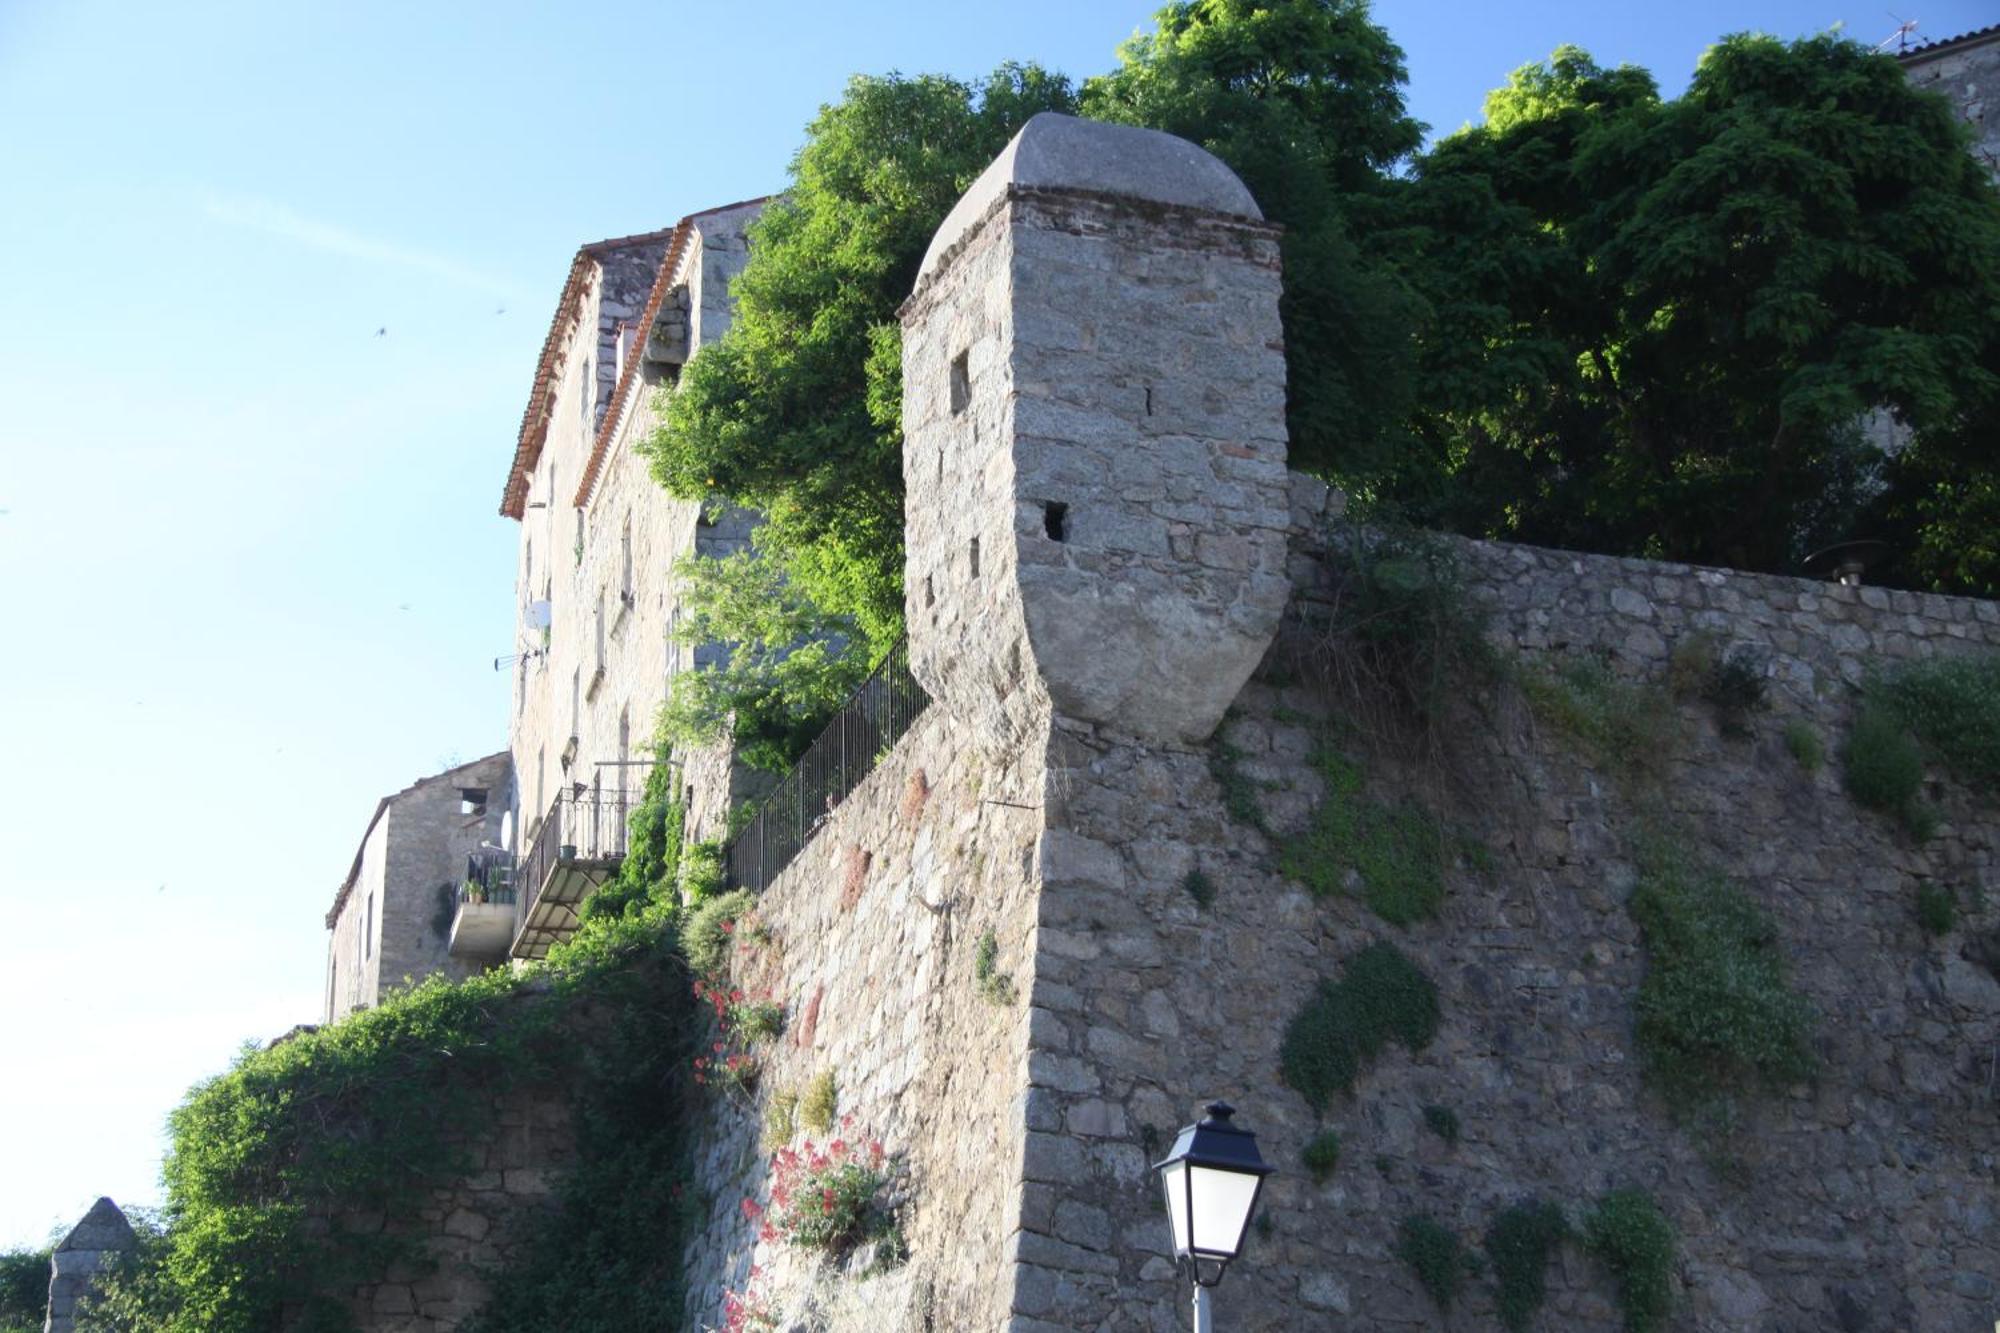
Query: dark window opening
[1055,520]
[930,592]
[472,800]
[961,383]
[975,557]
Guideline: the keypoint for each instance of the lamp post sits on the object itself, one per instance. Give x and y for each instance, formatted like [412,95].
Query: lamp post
[1212,1178]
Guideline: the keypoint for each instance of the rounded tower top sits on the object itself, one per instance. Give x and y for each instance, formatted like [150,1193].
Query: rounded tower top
[1059,152]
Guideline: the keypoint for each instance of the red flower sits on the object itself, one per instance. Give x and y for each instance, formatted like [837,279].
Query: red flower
[751,1210]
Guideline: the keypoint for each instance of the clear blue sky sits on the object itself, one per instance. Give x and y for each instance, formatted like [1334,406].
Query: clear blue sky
[254,573]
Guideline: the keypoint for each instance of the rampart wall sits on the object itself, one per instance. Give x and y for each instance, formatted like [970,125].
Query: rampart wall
[1860,1199]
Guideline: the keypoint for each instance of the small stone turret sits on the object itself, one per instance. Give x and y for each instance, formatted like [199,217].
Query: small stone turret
[91,1245]
[1094,457]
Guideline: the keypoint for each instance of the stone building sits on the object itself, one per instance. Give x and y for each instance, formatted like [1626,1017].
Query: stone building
[404,903]
[1966,69]
[599,542]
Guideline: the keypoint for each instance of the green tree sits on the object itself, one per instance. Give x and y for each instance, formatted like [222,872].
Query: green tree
[1656,326]
[1304,100]
[797,411]
[787,667]
[24,1290]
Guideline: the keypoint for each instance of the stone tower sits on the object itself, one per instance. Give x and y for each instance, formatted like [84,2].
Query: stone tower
[1094,449]
[91,1245]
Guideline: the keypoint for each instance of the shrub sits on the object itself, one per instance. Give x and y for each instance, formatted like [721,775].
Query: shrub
[1627,728]
[1952,705]
[781,1120]
[1322,1154]
[1398,851]
[366,1115]
[995,986]
[1436,1255]
[1443,1122]
[1381,996]
[707,937]
[1631,1237]
[1803,740]
[819,1103]
[743,1019]
[701,871]
[1200,888]
[1884,768]
[1519,1243]
[24,1290]
[1402,628]
[1715,1010]
[825,1199]
[1937,907]
[1735,688]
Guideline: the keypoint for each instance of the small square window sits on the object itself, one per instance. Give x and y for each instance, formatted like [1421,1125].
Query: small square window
[472,800]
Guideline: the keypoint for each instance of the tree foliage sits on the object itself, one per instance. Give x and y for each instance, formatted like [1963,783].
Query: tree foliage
[1304,99]
[797,411]
[24,1289]
[1656,327]
[785,665]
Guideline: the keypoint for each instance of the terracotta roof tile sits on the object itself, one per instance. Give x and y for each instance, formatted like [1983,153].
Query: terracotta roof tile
[614,412]
[549,367]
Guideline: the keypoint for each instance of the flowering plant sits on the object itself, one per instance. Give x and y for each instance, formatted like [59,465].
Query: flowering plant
[731,1071]
[742,1018]
[824,1198]
[750,1312]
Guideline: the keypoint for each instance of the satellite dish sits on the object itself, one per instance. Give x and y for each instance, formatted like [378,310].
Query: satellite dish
[507,831]
[538,615]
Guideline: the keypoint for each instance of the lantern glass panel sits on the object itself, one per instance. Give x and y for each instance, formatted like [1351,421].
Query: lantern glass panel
[1173,1178]
[1221,1209]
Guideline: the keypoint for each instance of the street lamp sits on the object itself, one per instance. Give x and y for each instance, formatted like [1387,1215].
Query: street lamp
[1212,1179]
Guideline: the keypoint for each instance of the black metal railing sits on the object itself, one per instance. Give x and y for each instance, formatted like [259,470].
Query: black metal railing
[874,717]
[587,825]
[489,877]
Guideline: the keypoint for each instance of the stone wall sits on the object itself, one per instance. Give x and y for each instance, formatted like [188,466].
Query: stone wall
[1069,825]
[1967,71]
[478,1225]
[1852,1202]
[874,930]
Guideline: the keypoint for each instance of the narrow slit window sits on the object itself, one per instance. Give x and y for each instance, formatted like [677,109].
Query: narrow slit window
[961,383]
[930,592]
[975,557]
[1055,520]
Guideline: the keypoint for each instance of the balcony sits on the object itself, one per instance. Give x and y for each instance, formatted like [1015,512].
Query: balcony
[578,846]
[482,925]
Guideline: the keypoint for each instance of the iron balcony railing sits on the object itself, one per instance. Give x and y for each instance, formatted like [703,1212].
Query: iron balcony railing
[586,825]
[861,733]
[489,877]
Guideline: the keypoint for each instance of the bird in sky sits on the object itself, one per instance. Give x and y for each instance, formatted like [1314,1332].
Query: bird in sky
[382,332]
